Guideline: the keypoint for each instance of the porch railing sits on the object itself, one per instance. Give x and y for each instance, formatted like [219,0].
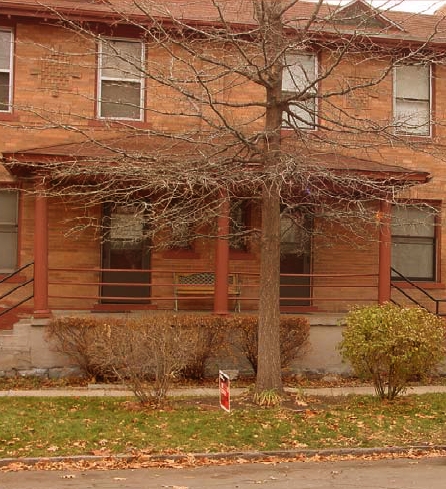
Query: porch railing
[84,288]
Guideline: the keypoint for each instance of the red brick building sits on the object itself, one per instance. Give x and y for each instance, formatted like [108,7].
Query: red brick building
[59,102]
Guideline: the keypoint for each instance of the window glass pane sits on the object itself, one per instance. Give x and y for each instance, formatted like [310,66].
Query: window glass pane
[121,59]
[5,50]
[303,117]
[238,224]
[121,99]
[8,249]
[4,91]
[413,116]
[8,207]
[181,235]
[413,242]
[415,260]
[412,82]
[413,221]
[298,72]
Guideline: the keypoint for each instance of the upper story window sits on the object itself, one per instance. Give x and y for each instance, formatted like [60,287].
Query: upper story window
[8,229]
[181,236]
[121,81]
[298,77]
[414,242]
[412,99]
[6,49]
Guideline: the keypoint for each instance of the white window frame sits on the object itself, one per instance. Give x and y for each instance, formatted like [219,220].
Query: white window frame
[292,88]
[424,130]
[10,228]
[137,80]
[9,69]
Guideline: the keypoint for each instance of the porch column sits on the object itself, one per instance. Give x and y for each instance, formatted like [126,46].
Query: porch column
[41,309]
[222,259]
[385,241]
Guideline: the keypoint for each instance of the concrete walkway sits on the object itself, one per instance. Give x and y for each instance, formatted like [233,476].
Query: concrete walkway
[103,390]
[367,474]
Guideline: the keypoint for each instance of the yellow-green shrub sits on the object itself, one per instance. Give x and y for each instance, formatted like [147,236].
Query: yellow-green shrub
[389,345]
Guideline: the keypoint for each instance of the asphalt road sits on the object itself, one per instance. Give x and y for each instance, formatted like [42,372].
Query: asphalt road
[427,473]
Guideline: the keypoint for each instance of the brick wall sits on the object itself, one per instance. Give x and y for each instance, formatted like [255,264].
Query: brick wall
[55,80]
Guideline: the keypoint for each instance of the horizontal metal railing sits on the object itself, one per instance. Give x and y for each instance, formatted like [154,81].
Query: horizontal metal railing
[85,287]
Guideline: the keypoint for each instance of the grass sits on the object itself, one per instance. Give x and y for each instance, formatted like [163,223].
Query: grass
[70,426]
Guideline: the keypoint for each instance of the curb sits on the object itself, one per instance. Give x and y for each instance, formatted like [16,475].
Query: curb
[287,455]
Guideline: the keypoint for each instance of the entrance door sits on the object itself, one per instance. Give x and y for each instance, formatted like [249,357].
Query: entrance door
[126,253]
[294,259]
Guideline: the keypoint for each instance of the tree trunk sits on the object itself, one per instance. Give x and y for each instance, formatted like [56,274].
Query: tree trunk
[269,375]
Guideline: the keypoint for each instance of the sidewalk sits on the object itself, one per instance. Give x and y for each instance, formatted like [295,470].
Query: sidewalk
[102,390]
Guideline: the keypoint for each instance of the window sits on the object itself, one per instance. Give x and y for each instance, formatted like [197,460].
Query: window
[120,79]
[8,230]
[298,75]
[6,45]
[238,225]
[414,243]
[181,236]
[412,105]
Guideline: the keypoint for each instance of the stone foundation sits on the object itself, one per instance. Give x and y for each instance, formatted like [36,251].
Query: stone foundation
[25,350]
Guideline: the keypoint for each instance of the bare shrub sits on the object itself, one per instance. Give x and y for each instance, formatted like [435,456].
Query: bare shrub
[206,334]
[294,331]
[80,338]
[146,353]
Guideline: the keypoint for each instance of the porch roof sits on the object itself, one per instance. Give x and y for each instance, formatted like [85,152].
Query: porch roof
[152,149]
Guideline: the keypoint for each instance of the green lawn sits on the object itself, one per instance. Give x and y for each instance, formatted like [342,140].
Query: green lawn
[67,426]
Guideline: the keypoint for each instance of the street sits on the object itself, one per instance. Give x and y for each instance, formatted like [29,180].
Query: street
[428,473]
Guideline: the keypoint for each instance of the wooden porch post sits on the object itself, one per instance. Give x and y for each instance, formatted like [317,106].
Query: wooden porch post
[41,309]
[385,241]
[222,259]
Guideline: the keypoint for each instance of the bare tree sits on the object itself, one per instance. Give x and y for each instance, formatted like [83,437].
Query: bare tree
[258,99]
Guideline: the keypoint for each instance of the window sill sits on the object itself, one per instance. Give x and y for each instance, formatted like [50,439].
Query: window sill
[416,137]
[292,130]
[118,123]
[422,285]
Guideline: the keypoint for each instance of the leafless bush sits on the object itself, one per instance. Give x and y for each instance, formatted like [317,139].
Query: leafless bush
[294,333]
[206,335]
[145,353]
[80,338]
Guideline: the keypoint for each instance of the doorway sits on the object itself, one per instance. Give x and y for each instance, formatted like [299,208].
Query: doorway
[295,254]
[125,256]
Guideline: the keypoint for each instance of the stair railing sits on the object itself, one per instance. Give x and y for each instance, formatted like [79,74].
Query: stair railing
[16,287]
[424,292]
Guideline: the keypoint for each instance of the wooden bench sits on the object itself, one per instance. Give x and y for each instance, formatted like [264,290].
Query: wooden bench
[202,284]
